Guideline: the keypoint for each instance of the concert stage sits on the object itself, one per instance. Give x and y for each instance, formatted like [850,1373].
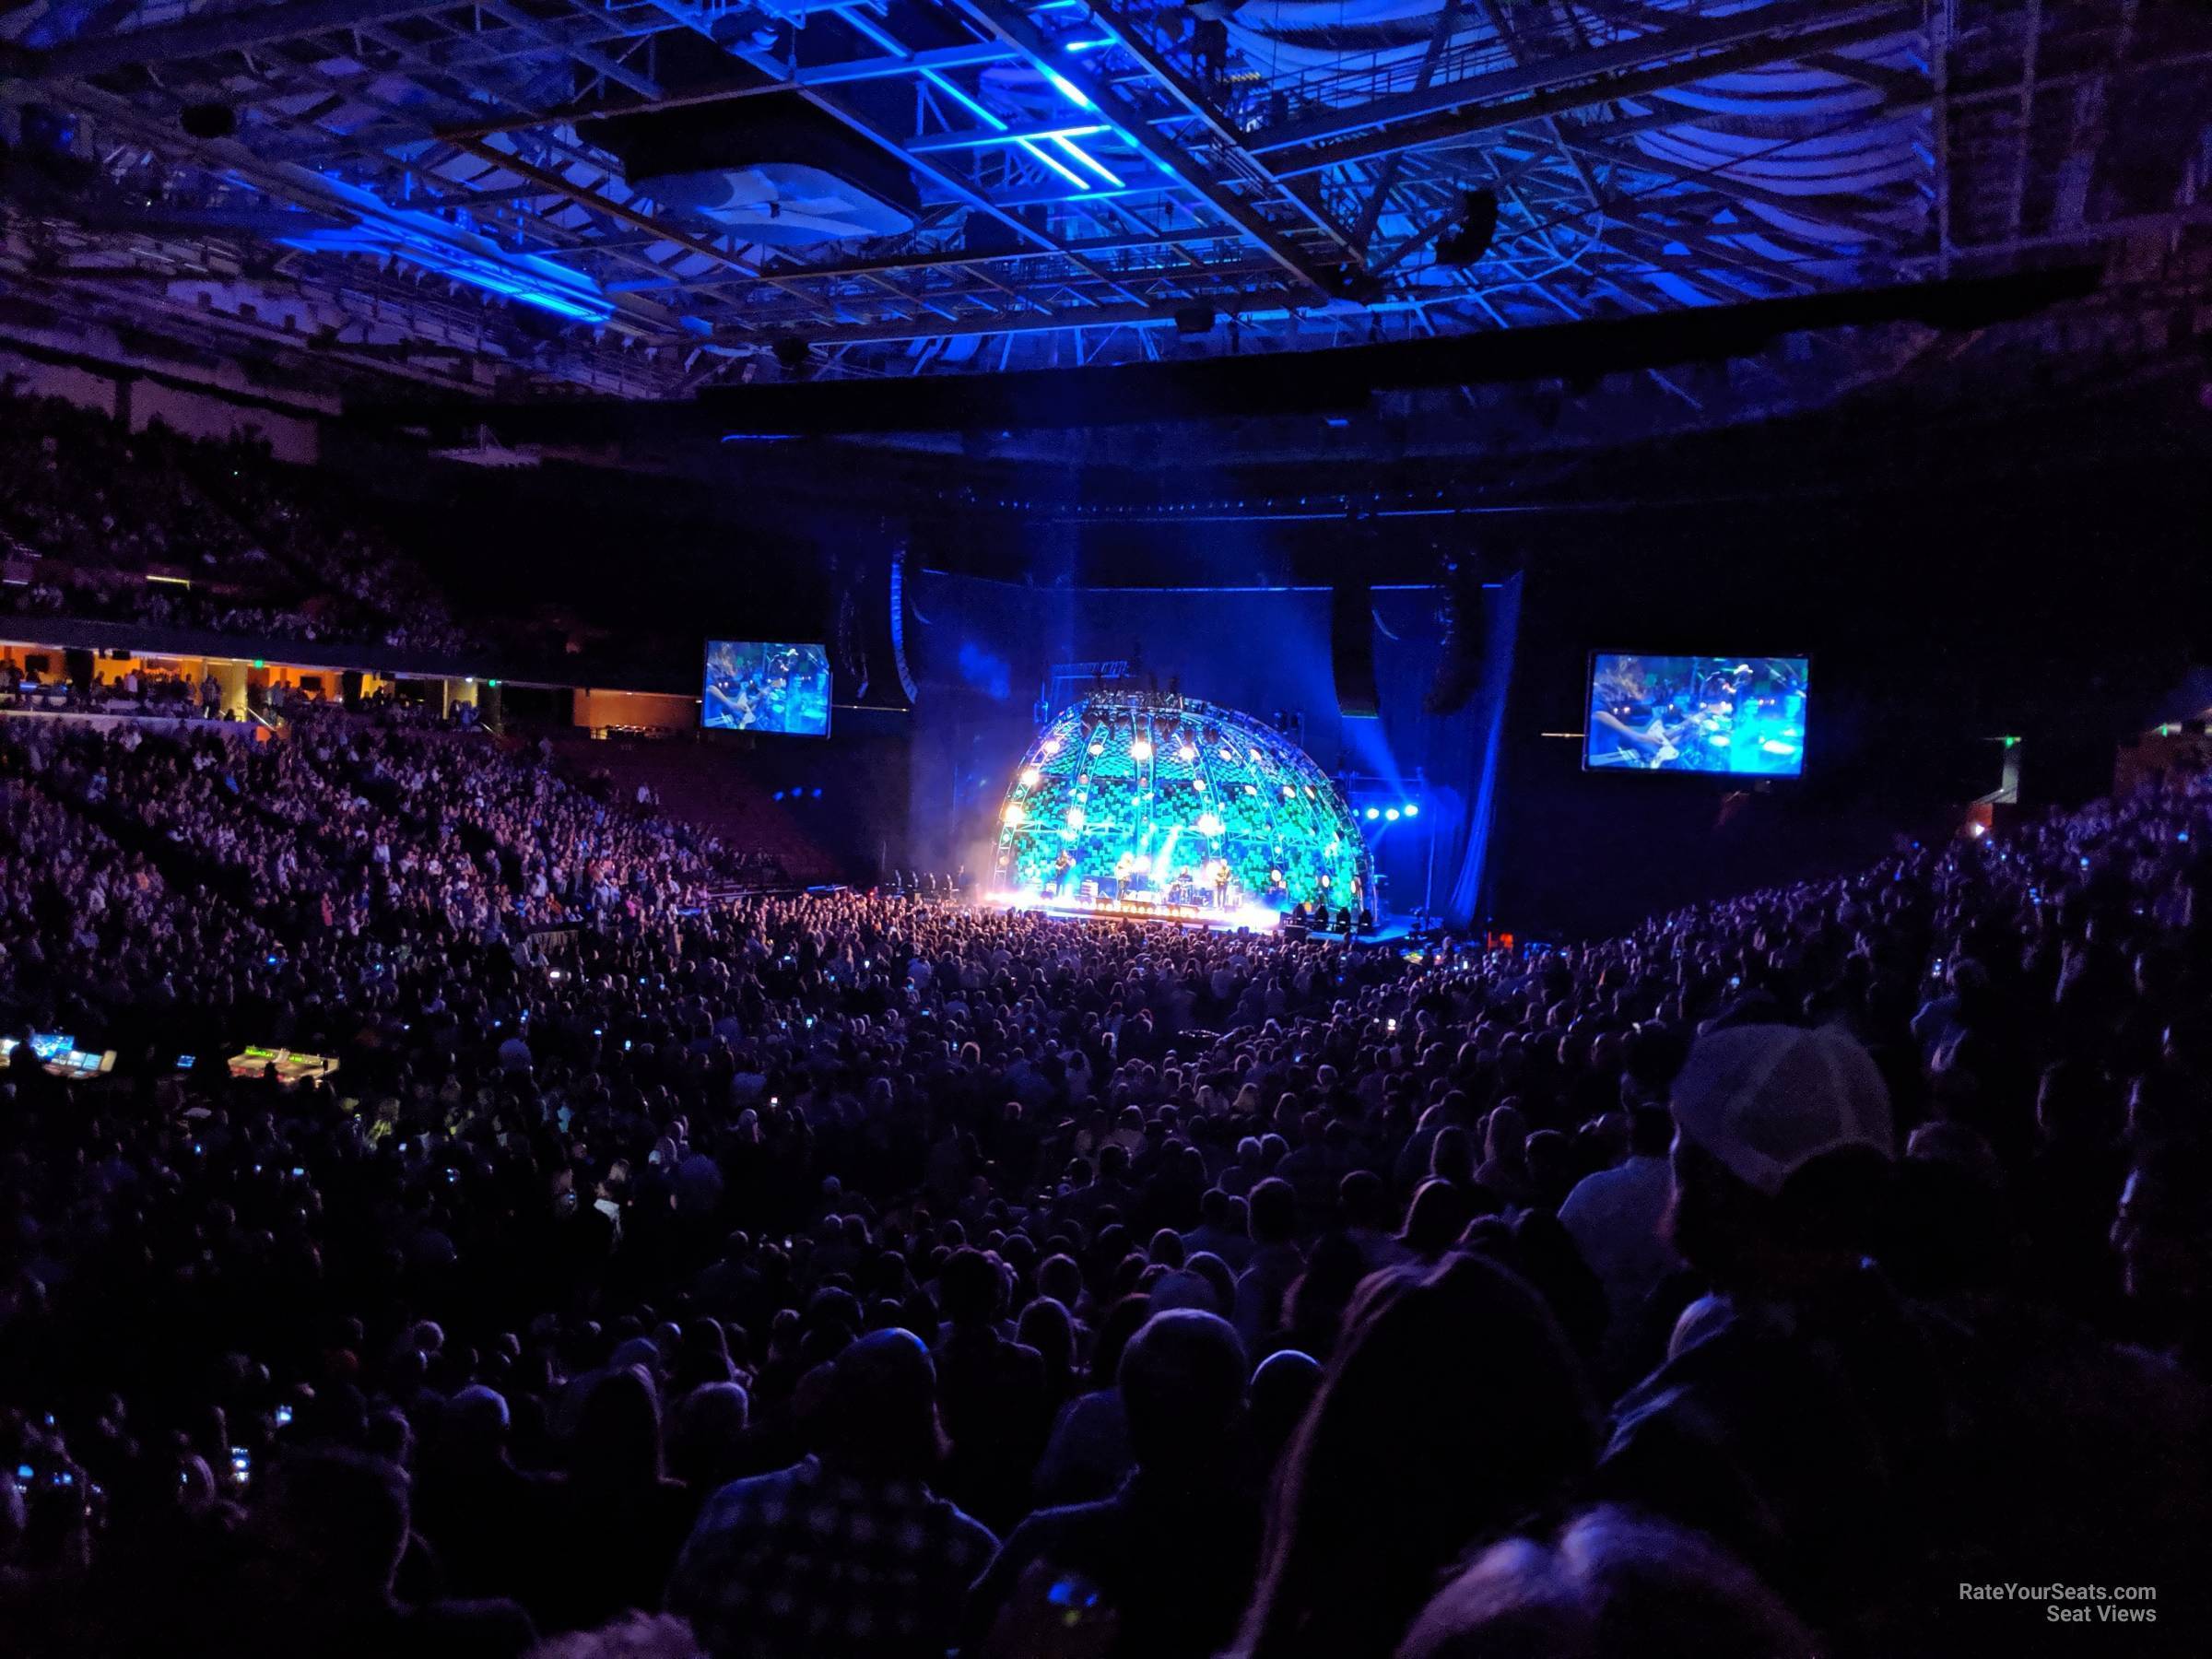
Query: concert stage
[1161,807]
[1257,918]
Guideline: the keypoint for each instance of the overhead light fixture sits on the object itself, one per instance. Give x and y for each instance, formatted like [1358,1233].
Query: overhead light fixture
[1194,319]
[346,218]
[1067,88]
[1470,239]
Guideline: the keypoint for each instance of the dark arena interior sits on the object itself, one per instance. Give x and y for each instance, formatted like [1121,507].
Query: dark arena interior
[1061,829]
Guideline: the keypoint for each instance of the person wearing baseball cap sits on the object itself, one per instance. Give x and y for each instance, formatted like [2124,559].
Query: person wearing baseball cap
[1793,1423]
[1782,1147]
[1853,1445]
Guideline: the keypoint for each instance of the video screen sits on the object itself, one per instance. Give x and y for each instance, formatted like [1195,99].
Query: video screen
[753,687]
[1738,715]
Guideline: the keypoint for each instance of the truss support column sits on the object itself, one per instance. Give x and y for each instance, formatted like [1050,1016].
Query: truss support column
[1943,31]
[1386,176]
[2015,208]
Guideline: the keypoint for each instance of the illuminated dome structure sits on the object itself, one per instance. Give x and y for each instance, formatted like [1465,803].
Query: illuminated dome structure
[1144,799]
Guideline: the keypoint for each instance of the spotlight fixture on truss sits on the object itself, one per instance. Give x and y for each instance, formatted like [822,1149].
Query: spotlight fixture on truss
[1470,239]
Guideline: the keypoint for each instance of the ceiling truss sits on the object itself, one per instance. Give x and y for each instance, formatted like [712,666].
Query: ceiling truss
[1087,179]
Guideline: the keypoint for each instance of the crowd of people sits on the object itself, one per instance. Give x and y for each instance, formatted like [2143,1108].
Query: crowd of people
[234,543]
[665,1272]
[167,693]
[323,860]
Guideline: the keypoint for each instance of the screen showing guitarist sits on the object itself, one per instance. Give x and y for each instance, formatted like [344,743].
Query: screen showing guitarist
[1707,714]
[1626,724]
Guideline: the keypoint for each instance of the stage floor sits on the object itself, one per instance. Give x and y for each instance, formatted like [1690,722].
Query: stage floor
[1255,918]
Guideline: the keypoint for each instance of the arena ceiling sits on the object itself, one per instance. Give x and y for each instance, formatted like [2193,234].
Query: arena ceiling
[649,197]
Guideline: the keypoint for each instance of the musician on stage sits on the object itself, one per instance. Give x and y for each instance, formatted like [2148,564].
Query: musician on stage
[1060,867]
[1624,719]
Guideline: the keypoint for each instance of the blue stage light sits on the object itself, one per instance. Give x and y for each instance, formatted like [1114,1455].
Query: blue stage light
[1372,814]
[778,795]
[1068,89]
[354,220]
[1392,814]
[1412,810]
[817,792]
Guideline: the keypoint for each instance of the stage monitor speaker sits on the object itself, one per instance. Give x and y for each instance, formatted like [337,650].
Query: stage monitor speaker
[1352,651]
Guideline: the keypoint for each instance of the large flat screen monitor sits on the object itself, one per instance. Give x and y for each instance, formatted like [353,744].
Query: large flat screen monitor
[756,686]
[1744,717]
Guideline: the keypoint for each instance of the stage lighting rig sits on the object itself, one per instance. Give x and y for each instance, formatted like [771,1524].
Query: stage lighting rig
[1470,239]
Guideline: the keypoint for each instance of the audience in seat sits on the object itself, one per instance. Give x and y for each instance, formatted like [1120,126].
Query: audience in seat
[235,541]
[1172,1552]
[621,1258]
[847,1552]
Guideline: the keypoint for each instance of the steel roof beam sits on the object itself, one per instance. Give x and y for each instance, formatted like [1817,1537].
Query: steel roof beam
[1704,245]
[1179,86]
[1166,286]
[2016,204]
[1467,124]
[208,36]
[955,258]
[1037,322]
[769,77]
[591,202]
[816,94]
[1770,27]
[589,57]
[1807,208]
[1377,194]
[1163,153]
